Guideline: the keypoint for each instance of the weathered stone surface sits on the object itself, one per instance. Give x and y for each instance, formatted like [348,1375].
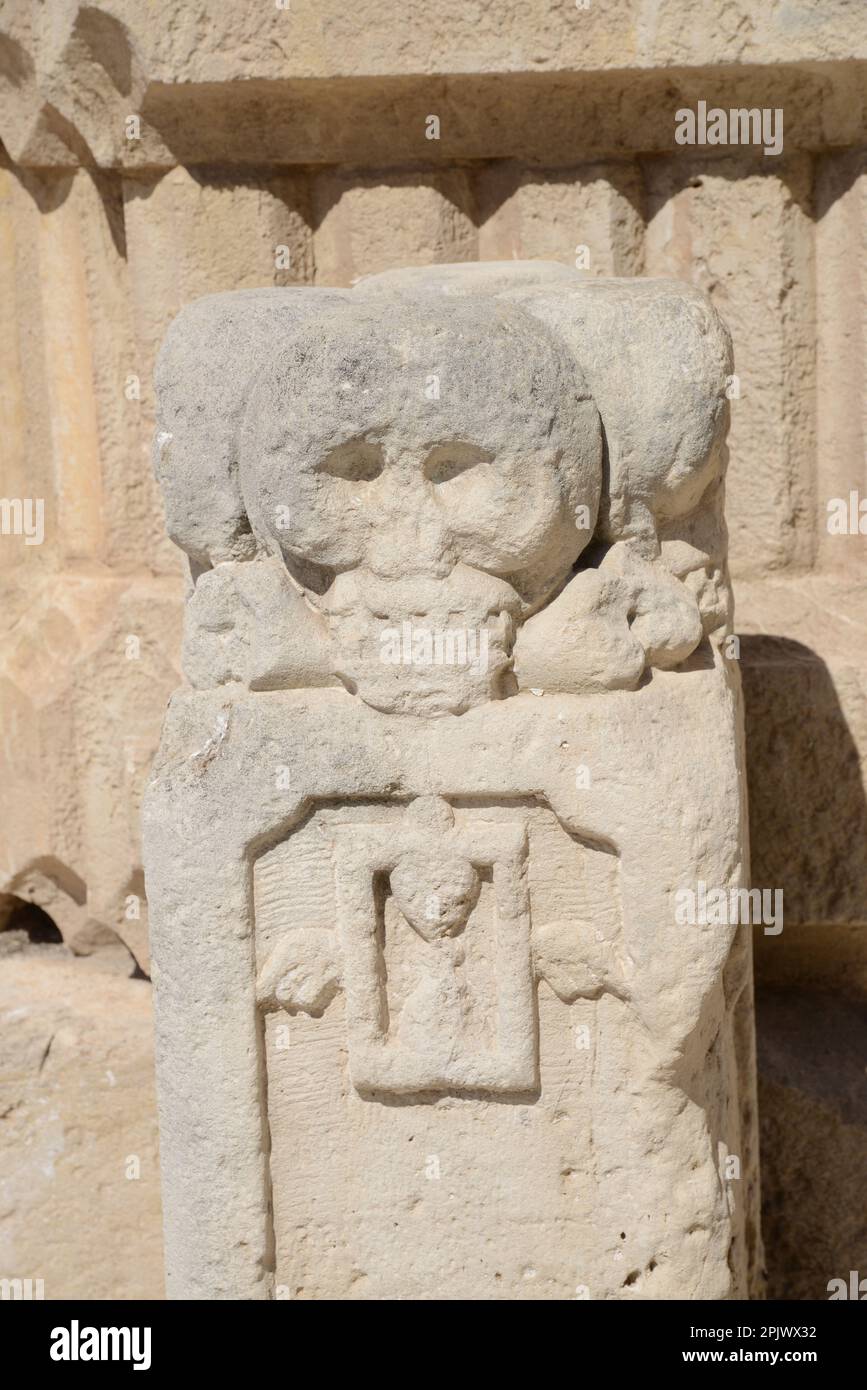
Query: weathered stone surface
[592,216]
[82,734]
[256,82]
[813,1106]
[283,147]
[841,352]
[805,691]
[739,233]
[79,1191]
[369,224]
[425,901]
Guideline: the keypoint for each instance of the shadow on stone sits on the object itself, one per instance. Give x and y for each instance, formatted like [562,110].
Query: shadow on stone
[808,831]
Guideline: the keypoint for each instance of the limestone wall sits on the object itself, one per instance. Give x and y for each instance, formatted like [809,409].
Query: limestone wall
[155,153]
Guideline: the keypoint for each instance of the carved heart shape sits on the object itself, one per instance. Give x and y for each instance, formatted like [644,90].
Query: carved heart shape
[435,891]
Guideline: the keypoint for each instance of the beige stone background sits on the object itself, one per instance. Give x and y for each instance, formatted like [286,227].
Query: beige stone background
[303,127]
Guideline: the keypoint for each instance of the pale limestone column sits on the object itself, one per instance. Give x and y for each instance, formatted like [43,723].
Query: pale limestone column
[461,742]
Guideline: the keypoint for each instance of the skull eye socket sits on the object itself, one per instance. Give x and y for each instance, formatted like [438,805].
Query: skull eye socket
[358,461]
[449,461]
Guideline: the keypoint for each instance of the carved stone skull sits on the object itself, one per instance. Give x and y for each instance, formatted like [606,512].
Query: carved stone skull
[430,471]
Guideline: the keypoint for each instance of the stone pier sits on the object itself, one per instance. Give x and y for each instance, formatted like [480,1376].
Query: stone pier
[462,736]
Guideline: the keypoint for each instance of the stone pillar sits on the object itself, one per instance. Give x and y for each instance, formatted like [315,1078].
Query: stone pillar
[445,836]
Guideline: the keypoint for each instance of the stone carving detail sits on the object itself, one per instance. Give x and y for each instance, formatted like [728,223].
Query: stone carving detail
[460,724]
[429,933]
[448,461]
